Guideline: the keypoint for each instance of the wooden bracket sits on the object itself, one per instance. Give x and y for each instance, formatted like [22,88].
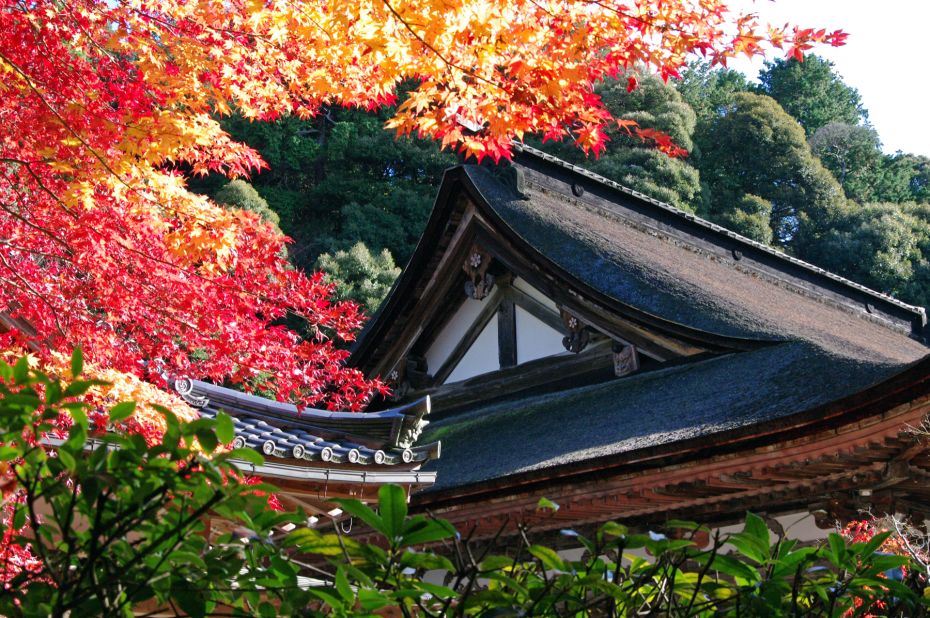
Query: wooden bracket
[417,371]
[626,359]
[476,265]
[396,379]
[578,336]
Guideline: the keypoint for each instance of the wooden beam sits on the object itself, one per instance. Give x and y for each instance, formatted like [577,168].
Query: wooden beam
[507,333]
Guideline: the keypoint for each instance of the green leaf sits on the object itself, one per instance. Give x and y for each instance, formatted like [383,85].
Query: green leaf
[330,599]
[837,548]
[545,504]
[392,504]
[372,599]
[508,582]
[437,590]
[748,546]
[19,517]
[67,459]
[685,525]
[21,370]
[548,557]
[496,562]
[729,565]
[426,561]
[420,530]
[225,430]
[247,455]
[207,439]
[77,362]
[79,415]
[755,527]
[79,387]
[122,411]
[312,542]
[363,512]
[52,393]
[612,528]
[342,585]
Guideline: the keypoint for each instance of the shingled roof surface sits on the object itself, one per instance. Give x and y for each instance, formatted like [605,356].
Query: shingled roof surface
[678,281]
[828,338]
[282,431]
[645,410]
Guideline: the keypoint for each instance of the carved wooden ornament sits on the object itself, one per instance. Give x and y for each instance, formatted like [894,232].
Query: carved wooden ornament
[396,379]
[626,360]
[476,266]
[578,336]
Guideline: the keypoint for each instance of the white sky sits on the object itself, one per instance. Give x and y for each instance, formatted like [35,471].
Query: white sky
[885,58]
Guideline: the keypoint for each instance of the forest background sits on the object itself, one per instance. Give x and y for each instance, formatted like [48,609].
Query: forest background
[789,160]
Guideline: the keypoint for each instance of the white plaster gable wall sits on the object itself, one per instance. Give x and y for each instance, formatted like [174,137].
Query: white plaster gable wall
[536,295]
[482,356]
[452,333]
[535,339]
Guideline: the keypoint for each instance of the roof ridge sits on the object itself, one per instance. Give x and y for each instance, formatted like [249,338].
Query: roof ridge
[691,217]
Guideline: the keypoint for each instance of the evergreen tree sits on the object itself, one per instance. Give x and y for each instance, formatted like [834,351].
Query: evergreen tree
[853,153]
[240,194]
[341,178]
[812,92]
[638,165]
[884,246]
[904,178]
[755,151]
[709,90]
[359,275]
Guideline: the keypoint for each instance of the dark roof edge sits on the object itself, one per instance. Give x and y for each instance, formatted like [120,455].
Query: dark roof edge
[411,272]
[919,312]
[902,388]
[407,420]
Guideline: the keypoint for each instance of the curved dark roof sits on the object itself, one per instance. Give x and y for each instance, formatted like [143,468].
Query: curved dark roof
[674,267]
[650,260]
[695,400]
[827,338]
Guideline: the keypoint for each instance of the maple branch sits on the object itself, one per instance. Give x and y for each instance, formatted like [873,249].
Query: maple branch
[435,51]
[25,286]
[63,122]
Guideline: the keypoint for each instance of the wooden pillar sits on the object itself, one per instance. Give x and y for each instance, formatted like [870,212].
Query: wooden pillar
[507,333]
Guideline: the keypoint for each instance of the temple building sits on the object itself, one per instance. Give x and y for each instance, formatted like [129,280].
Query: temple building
[627,360]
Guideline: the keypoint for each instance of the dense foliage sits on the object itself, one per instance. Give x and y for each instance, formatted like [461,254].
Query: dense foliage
[811,92]
[754,149]
[829,195]
[100,522]
[654,106]
[97,520]
[108,107]
[360,275]
[342,179]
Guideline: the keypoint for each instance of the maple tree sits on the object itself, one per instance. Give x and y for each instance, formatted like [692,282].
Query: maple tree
[106,106]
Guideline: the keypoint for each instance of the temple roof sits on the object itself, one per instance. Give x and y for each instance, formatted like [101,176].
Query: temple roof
[782,337]
[677,275]
[281,431]
[698,400]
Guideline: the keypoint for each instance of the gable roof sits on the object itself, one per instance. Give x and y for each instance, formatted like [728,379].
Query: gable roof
[798,337]
[649,262]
